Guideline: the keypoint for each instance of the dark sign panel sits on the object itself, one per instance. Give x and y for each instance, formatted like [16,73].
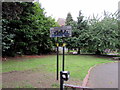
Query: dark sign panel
[64,31]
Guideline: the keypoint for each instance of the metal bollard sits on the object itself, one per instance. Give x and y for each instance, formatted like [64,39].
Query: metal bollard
[64,76]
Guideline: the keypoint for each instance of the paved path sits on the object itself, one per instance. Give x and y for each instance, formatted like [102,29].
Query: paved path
[104,76]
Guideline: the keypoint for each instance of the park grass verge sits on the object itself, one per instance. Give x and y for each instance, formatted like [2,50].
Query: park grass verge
[78,65]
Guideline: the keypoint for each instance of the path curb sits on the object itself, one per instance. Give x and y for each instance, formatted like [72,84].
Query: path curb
[85,81]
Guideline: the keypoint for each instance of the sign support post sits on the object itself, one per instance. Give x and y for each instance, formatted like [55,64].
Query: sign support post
[57,59]
[63,57]
[63,64]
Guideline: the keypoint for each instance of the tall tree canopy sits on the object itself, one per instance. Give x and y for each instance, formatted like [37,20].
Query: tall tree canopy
[25,29]
[103,34]
[69,19]
[95,34]
[78,39]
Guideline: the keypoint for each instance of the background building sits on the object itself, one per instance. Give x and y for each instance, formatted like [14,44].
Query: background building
[61,21]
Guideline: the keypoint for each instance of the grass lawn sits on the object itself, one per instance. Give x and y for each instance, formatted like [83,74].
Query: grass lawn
[78,65]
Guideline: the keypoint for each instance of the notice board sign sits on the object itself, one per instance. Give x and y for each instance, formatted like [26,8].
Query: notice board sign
[63,31]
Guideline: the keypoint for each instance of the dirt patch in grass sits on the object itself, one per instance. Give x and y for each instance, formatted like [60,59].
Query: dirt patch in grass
[24,57]
[33,79]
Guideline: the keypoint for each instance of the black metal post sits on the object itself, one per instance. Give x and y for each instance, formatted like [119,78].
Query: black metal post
[61,81]
[63,63]
[63,57]
[57,59]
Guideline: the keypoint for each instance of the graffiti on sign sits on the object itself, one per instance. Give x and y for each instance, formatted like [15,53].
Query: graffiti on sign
[64,31]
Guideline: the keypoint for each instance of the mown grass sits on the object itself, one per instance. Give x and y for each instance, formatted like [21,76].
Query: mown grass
[78,65]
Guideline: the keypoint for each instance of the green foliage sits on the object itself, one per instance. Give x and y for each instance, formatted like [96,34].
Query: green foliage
[81,23]
[95,34]
[25,29]
[103,33]
[69,19]
[79,28]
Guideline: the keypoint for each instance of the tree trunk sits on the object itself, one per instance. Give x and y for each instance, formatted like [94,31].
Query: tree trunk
[98,52]
[78,51]
[68,50]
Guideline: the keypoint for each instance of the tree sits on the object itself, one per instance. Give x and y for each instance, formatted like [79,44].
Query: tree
[81,27]
[103,34]
[11,15]
[78,40]
[25,29]
[69,19]
[118,15]
[95,34]
[70,40]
